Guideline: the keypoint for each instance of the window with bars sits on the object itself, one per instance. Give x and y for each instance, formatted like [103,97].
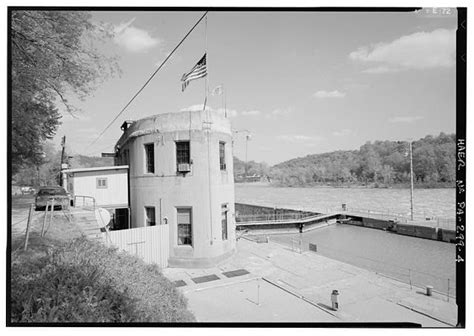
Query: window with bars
[224,211]
[222,155]
[150,216]
[183,154]
[184,226]
[150,158]
[101,182]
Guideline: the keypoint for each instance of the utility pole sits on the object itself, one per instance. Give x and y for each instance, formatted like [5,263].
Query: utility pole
[62,176]
[246,151]
[411,179]
[247,138]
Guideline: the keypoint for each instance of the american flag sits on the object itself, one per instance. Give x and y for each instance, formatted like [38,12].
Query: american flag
[198,71]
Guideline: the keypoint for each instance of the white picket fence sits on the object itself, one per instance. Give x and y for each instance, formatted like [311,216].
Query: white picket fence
[149,243]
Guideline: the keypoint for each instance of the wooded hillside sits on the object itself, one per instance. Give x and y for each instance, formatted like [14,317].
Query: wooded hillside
[379,163]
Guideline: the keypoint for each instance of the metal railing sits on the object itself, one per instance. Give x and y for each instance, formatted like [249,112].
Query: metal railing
[385,214]
[272,217]
[440,222]
[87,201]
[58,200]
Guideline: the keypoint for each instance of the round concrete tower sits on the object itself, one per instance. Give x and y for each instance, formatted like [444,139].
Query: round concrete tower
[181,175]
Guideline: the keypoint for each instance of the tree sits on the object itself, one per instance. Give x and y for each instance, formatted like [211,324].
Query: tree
[446,161]
[424,161]
[46,173]
[371,165]
[382,161]
[53,56]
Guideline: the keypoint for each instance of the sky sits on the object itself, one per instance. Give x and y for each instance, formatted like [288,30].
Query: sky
[300,83]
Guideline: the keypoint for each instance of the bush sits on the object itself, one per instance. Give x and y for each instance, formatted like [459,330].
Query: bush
[84,281]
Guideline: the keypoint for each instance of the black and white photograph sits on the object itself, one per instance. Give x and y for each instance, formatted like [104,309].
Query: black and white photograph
[194,166]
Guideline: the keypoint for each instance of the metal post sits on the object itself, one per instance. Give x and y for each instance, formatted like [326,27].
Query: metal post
[411,180]
[44,218]
[63,145]
[65,215]
[246,160]
[28,226]
[51,213]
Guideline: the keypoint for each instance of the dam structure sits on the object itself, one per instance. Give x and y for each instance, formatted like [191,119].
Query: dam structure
[181,175]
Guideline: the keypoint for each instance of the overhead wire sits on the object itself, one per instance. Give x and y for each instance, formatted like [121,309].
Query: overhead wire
[148,81]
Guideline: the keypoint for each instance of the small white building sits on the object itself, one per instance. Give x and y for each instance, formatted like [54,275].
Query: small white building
[105,187]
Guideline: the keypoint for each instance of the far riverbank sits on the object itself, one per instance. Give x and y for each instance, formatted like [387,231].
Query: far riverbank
[427,185]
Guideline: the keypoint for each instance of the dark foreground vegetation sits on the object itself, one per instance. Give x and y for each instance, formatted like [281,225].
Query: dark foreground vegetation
[60,280]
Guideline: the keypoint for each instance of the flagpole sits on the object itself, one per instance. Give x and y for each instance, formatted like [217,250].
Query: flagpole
[222,100]
[208,140]
[207,76]
[225,102]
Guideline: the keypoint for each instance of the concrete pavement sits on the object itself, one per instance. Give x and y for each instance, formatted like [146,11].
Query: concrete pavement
[286,286]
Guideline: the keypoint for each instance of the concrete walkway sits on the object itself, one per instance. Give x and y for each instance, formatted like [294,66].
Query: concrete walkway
[285,286]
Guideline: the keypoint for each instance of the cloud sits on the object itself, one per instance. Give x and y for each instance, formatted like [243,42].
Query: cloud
[343,132]
[251,113]
[381,70]
[279,112]
[230,113]
[405,119]
[194,108]
[299,138]
[199,107]
[422,50]
[329,94]
[134,39]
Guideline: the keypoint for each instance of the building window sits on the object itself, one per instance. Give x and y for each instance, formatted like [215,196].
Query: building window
[183,152]
[222,155]
[185,226]
[183,157]
[224,211]
[150,216]
[101,182]
[150,158]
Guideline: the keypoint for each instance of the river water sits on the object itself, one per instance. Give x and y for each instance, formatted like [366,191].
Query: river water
[419,261]
[427,202]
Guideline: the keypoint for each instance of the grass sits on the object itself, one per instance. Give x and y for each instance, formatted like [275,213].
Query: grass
[64,277]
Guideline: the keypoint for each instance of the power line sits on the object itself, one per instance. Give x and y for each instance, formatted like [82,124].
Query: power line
[148,81]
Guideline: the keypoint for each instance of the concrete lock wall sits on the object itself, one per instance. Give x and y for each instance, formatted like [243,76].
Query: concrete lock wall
[204,189]
[243,209]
